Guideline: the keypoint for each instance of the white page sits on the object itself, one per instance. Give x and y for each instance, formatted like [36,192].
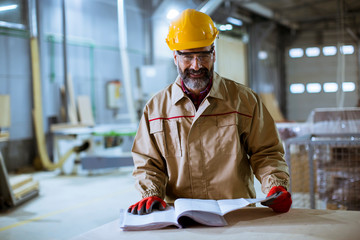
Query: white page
[257,200]
[208,212]
[206,218]
[166,216]
[228,205]
[187,204]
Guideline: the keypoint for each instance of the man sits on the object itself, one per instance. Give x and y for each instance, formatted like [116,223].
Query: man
[205,136]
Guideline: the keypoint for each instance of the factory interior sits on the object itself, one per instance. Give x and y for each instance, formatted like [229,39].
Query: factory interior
[75,76]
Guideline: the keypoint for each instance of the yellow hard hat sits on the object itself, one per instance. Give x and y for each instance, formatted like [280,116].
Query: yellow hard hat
[192,29]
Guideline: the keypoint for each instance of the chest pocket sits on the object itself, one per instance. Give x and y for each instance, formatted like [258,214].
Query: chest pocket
[166,133]
[228,133]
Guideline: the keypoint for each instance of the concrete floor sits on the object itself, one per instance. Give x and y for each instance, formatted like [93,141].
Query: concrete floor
[70,205]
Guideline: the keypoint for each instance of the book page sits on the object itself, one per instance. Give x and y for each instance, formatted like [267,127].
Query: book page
[156,219]
[203,211]
[229,205]
[188,204]
[205,218]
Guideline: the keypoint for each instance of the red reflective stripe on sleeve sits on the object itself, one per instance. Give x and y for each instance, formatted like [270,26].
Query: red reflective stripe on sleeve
[168,118]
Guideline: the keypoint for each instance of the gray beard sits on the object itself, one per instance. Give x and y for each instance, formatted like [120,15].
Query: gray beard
[195,83]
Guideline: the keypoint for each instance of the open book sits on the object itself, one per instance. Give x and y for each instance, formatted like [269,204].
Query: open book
[185,211]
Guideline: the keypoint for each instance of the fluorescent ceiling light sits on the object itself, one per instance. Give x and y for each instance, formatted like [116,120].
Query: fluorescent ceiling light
[234,21]
[8,7]
[173,13]
[262,55]
[227,27]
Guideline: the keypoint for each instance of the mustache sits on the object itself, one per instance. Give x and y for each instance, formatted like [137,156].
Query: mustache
[200,71]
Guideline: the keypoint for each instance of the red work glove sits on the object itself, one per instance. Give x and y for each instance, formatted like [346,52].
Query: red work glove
[146,205]
[282,202]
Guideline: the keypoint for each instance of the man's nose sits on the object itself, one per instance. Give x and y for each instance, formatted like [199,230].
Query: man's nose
[195,63]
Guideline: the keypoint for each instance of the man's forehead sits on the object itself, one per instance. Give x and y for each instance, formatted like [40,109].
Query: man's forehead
[208,48]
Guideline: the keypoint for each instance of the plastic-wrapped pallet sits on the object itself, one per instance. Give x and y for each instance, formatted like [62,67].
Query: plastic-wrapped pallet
[334,120]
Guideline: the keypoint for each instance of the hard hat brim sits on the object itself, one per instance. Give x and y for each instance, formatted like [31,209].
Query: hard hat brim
[191,45]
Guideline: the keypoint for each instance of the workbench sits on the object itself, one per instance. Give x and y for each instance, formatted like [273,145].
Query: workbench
[251,223]
[96,157]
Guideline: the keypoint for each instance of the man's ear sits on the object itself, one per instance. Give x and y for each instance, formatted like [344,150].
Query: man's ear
[175,57]
[214,55]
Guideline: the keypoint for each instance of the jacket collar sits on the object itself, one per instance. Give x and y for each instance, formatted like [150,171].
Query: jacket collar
[217,90]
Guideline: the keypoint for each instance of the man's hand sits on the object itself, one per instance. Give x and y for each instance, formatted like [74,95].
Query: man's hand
[146,205]
[282,202]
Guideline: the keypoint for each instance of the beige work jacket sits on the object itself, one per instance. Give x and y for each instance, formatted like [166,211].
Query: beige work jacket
[211,153]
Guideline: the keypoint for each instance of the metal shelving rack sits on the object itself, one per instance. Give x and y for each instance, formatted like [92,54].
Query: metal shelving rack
[334,154]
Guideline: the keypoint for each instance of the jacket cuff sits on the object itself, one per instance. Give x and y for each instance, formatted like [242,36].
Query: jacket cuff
[152,191]
[271,182]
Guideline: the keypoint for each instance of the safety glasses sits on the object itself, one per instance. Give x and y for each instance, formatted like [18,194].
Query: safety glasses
[202,56]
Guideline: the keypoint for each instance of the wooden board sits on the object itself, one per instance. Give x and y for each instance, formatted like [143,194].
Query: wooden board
[17,181]
[5,111]
[71,104]
[231,59]
[85,111]
[60,126]
[25,189]
[272,106]
[4,136]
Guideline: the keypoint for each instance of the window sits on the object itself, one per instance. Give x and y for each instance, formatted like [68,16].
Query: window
[313,87]
[330,87]
[296,52]
[8,7]
[150,72]
[348,86]
[347,49]
[312,52]
[329,50]
[296,88]
[13,14]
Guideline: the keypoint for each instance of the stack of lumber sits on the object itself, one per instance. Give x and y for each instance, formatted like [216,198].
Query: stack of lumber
[22,185]
[4,117]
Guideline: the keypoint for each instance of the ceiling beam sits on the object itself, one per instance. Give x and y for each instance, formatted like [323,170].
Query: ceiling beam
[266,12]
[210,6]
[310,3]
